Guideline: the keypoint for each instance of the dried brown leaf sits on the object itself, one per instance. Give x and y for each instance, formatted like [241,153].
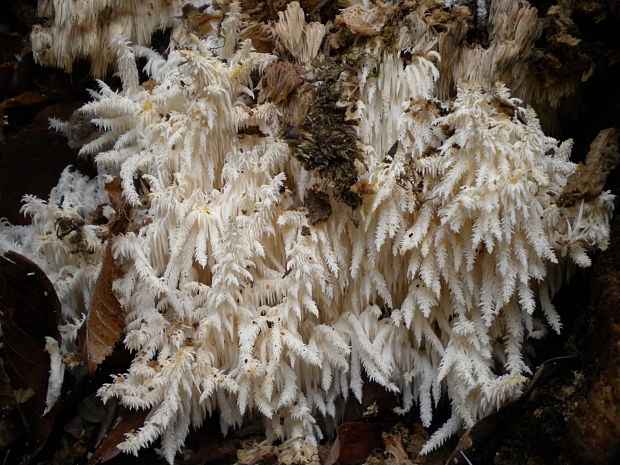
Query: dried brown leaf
[354,442]
[26,98]
[126,421]
[394,445]
[106,317]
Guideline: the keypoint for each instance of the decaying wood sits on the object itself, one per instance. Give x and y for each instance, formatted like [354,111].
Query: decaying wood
[588,180]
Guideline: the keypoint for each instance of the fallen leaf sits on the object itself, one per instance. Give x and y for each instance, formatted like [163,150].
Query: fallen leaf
[92,409]
[10,430]
[199,22]
[126,421]
[23,395]
[394,445]
[75,428]
[26,98]
[354,442]
[29,311]
[106,317]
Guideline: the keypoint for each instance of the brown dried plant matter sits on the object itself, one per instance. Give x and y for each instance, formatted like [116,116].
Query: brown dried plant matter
[260,34]
[199,22]
[366,21]
[279,81]
[106,317]
[588,181]
[402,447]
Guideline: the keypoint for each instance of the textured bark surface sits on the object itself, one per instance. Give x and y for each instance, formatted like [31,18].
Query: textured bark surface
[570,417]
[594,424]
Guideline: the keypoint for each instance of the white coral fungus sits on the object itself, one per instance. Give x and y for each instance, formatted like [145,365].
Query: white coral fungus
[237,303]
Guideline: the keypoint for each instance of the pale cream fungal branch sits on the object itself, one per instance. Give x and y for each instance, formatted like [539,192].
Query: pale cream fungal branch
[251,288]
[296,37]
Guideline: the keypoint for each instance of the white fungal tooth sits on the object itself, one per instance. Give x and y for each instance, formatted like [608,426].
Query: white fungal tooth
[251,287]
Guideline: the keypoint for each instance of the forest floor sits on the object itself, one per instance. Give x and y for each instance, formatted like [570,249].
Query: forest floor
[570,413]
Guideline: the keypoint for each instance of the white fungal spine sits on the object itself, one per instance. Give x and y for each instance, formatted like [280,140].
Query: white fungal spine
[236,303]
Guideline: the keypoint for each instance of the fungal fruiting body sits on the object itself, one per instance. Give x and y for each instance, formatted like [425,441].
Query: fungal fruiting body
[280,255]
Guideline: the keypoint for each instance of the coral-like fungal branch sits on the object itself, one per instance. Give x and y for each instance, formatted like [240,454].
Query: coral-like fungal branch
[278,257]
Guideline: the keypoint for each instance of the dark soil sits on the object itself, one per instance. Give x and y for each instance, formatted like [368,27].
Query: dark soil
[571,416]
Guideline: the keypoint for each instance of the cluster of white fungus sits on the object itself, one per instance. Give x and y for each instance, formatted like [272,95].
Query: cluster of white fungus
[238,303]
[97,30]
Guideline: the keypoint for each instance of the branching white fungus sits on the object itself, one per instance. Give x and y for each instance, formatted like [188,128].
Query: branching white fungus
[237,303]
